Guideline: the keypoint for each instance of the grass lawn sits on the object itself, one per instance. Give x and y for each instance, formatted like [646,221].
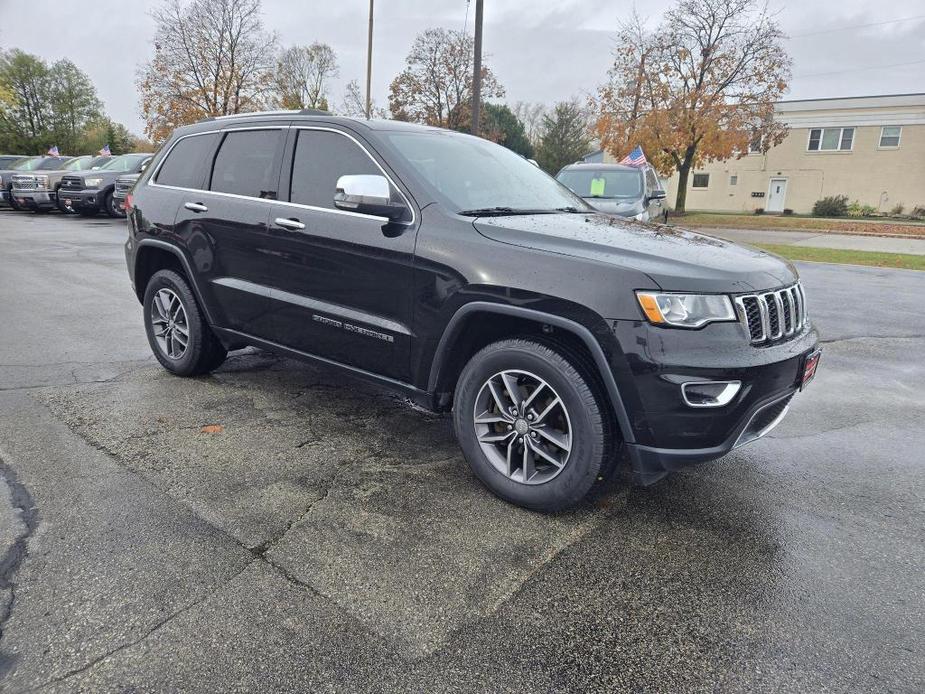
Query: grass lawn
[831,255]
[843,226]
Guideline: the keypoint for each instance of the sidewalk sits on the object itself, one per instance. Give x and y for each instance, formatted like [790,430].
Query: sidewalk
[812,239]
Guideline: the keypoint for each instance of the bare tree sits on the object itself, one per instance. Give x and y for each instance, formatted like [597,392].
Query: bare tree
[303,74]
[531,115]
[700,87]
[436,85]
[211,57]
[354,103]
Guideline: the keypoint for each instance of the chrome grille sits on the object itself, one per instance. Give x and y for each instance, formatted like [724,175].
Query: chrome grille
[72,183]
[774,315]
[124,185]
[21,182]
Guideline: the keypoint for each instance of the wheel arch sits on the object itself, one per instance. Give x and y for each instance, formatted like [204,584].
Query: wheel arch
[453,350]
[152,255]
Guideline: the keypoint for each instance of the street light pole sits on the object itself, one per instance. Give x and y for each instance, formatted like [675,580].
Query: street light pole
[477,69]
[369,64]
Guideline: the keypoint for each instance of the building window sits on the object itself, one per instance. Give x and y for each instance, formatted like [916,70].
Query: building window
[733,180]
[754,145]
[889,136]
[701,180]
[831,139]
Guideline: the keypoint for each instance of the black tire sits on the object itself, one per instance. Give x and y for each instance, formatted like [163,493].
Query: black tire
[111,206]
[203,352]
[591,456]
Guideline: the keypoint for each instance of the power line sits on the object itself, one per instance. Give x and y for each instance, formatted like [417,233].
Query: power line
[858,69]
[858,26]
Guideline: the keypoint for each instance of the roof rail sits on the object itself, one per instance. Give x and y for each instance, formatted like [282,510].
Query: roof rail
[284,112]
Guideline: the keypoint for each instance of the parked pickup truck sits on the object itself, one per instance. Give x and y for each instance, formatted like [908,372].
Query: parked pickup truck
[24,165]
[91,192]
[123,188]
[38,190]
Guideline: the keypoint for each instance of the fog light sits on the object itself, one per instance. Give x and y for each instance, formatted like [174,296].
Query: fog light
[709,393]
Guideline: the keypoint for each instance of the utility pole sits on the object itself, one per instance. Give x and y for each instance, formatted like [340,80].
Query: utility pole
[477,69]
[369,64]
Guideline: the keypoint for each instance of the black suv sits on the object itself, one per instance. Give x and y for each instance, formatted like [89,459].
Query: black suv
[454,271]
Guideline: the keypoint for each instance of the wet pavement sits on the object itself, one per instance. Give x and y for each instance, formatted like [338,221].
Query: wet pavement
[275,526]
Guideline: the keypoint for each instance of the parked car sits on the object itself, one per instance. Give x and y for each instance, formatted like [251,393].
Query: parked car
[452,270]
[38,191]
[91,192]
[121,190]
[7,159]
[42,163]
[627,191]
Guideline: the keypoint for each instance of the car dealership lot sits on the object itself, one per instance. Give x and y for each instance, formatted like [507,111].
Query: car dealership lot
[277,526]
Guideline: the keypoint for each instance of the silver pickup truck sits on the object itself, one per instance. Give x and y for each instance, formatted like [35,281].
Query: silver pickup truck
[38,190]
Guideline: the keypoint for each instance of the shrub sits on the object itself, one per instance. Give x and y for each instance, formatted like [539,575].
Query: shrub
[787,211]
[868,210]
[898,209]
[918,212]
[759,210]
[832,206]
[854,209]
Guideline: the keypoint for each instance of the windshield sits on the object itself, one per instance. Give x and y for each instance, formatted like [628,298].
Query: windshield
[97,162]
[78,164]
[51,164]
[127,162]
[603,183]
[474,174]
[27,164]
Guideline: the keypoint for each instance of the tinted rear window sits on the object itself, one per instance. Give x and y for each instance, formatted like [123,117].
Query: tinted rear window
[603,183]
[321,157]
[246,163]
[185,165]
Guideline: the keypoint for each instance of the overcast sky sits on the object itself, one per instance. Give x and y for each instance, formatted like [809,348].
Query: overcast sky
[541,50]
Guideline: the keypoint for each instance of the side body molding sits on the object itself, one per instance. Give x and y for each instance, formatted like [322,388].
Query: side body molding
[594,347]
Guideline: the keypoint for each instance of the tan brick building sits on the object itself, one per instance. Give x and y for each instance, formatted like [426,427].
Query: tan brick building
[870,148]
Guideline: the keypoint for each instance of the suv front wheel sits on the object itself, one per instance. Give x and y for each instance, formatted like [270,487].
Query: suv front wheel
[177,331]
[531,426]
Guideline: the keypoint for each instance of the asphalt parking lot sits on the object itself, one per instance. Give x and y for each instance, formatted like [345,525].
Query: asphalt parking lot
[277,527]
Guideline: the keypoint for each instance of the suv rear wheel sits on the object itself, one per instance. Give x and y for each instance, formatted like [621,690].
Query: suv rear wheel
[177,331]
[531,425]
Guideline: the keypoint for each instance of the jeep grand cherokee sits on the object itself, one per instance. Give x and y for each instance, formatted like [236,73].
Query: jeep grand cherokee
[452,270]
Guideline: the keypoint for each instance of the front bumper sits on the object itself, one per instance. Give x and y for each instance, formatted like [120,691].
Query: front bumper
[81,199]
[34,198]
[669,434]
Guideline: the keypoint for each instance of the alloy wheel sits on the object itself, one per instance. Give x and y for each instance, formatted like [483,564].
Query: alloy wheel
[523,427]
[168,318]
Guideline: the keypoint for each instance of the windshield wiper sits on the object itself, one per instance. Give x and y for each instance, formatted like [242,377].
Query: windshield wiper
[498,212]
[569,209]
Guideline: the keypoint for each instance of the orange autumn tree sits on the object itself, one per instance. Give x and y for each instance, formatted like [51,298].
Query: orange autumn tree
[699,88]
[211,58]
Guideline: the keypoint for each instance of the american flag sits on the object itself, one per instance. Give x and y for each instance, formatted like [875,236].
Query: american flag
[105,151]
[634,158]
[53,152]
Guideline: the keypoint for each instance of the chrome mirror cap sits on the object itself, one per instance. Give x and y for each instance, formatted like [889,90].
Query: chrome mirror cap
[356,190]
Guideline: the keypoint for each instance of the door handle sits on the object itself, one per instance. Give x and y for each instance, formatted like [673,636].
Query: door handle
[291,224]
[195,207]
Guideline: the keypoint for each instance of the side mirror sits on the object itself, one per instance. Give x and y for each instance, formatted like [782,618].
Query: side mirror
[367,194]
[657,195]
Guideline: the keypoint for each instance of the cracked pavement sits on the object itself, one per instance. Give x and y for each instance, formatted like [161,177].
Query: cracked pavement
[329,537]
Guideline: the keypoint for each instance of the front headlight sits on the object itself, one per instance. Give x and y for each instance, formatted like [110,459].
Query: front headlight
[685,310]
[93,182]
[41,180]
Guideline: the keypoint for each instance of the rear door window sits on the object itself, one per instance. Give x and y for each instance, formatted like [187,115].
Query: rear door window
[247,163]
[185,165]
[321,157]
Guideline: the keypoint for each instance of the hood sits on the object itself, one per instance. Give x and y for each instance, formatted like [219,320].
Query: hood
[105,175]
[676,259]
[627,207]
